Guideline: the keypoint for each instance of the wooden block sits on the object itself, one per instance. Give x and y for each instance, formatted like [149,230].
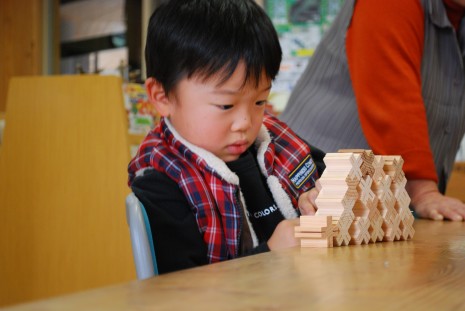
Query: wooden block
[329,181]
[392,230]
[375,217]
[337,186]
[315,231]
[314,221]
[408,217]
[356,161]
[367,199]
[337,192]
[388,215]
[359,231]
[378,172]
[376,234]
[376,222]
[342,238]
[360,209]
[366,196]
[400,183]
[402,198]
[329,204]
[393,167]
[367,167]
[349,202]
[403,211]
[343,164]
[365,193]
[382,186]
[387,204]
[373,203]
[351,151]
[367,160]
[397,233]
[345,220]
[341,231]
[406,224]
[309,229]
[407,230]
[352,181]
[311,235]
[382,189]
[316,243]
[333,207]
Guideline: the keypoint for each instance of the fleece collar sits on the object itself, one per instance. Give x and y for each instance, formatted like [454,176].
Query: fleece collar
[218,165]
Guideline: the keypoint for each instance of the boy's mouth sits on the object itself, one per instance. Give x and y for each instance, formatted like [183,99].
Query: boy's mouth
[238,147]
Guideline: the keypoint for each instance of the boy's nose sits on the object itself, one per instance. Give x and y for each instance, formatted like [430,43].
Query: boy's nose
[243,122]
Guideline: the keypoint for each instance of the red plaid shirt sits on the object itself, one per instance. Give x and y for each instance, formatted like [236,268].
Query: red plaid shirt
[212,190]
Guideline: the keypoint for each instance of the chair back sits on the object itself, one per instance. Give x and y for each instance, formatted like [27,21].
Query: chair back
[141,238]
[63,182]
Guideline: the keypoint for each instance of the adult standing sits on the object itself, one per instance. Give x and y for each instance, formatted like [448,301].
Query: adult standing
[389,76]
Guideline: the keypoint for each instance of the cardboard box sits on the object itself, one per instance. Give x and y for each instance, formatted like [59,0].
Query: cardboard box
[456,185]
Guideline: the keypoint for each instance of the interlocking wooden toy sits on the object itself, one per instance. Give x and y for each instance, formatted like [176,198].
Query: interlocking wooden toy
[315,231]
[338,193]
[362,200]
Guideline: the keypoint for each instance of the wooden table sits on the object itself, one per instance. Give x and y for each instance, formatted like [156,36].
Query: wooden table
[427,273]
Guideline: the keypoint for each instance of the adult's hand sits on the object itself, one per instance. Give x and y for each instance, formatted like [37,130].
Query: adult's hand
[428,202]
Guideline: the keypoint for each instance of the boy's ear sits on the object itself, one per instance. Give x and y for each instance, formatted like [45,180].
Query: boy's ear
[157,96]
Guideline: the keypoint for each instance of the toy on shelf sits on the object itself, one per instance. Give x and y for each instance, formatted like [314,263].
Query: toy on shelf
[362,200]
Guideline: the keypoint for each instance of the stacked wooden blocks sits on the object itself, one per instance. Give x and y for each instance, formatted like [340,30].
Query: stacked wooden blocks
[362,200]
[315,231]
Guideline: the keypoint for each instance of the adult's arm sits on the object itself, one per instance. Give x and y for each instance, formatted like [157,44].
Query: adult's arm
[384,50]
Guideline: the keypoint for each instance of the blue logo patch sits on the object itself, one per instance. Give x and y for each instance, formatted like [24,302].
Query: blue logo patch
[303,172]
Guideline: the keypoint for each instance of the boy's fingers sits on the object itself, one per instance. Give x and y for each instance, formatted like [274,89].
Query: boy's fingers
[307,208]
[318,185]
[312,197]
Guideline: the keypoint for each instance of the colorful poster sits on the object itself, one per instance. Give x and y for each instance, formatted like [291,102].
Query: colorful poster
[142,115]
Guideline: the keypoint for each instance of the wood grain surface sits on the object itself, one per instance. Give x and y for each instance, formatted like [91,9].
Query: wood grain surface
[426,273]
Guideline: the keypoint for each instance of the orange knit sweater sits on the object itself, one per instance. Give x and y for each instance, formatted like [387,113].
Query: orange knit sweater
[385,62]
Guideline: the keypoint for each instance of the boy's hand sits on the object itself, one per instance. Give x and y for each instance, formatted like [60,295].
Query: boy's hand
[283,235]
[428,202]
[307,204]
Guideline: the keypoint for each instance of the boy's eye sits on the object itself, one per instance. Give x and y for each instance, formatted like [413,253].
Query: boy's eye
[225,107]
[261,103]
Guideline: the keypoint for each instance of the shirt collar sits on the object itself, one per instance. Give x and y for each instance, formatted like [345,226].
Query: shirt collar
[438,15]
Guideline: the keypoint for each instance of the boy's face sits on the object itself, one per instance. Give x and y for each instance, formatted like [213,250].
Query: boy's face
[223,119]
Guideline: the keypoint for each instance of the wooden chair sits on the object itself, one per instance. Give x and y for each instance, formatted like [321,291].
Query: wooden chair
[63,182]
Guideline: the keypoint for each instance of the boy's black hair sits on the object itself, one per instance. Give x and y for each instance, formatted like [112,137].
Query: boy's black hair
[206,37]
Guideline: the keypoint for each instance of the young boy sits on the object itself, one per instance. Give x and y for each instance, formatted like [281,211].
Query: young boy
[219,177]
